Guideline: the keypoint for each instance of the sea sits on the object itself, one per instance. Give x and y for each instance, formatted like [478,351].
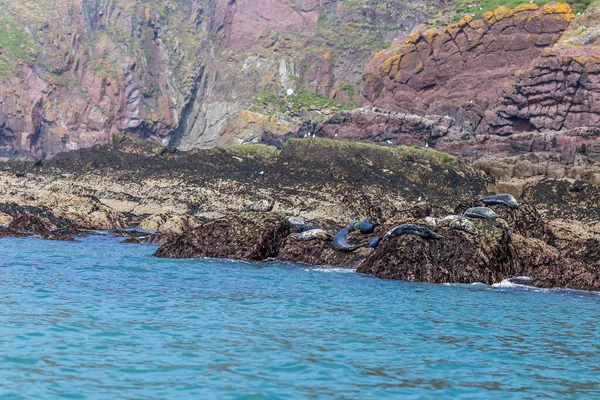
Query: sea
[97,319]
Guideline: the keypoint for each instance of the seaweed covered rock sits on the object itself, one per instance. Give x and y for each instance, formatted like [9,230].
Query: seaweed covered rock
[321,252]
[40,227]
[457,257]
[247,236]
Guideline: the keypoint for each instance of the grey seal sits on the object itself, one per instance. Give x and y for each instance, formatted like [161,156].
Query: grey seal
[305,228]
[504,199]
[353,226]
[296,221]
[460,223]
[411,229]
[367,226]
[481,212]
[313,234]
[340,241]
[261,205]
[374,242]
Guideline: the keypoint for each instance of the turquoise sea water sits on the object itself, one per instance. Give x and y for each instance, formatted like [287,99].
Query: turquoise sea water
[100,320]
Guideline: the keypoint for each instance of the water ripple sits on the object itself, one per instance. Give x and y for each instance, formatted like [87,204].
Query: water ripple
[96,319]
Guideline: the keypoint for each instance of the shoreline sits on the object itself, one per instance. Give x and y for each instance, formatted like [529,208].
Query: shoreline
[193,202]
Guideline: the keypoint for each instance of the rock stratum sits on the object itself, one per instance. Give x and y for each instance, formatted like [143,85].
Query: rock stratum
[193,202]
[515,82]
[188,73]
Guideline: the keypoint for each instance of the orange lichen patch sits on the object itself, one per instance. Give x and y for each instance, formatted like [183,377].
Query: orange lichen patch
[413,38]
[557,8]
[327,56]
[592,64]
[488,18]
[477,24]
[503,12]
[390,62]
[526,7]
[148,15]
[429,35]
[453,30]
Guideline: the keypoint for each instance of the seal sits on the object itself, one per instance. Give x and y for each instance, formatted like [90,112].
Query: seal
[460,223]
[411,229]
[340,241]
[504,199]
[431,221]
[305,228]
[374,242]
[313,234]
[296,221]
[264,205]
[353,226]
[481,212]
[367,226]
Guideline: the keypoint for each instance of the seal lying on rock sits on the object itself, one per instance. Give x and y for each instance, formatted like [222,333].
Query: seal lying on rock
[313,234]
[411,229]
[458,222]
[367,226]
[261,205]
[431,221]
[481,212]
[462,224]
[340,241]
[305,228]
[374,242]
[353,226]
[296,221]
[504,199]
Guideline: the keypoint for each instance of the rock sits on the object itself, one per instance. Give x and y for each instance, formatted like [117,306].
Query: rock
[246,236]
[457,258]
[461,70]
[41,227]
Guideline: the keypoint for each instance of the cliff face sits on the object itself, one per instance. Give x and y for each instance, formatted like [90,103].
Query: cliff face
[186,72]
[521,82]
[460,71]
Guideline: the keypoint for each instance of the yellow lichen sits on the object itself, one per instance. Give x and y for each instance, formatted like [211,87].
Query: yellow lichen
[526,7]
[503,12]
[413,37]
[429,35]
[557,8]
[327,56]
[389,63]
[453,30]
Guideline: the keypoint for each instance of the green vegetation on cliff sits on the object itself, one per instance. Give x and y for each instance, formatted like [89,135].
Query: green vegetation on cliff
[300,102]
[477,8]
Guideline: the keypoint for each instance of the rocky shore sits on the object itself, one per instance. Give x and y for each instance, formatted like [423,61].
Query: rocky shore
[193,203]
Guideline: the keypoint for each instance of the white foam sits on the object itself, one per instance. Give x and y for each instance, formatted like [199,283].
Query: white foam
[333,270]
[505,284]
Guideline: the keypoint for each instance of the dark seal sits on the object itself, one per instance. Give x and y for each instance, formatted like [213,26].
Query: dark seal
[367,226]
[411,229]
[504,199]
[481,212]
[340,241]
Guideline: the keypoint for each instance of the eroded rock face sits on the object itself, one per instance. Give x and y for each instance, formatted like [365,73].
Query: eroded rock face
[461,70]
[502,86]
[560,92]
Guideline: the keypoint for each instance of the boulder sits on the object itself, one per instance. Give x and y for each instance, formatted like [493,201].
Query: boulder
[247,236]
